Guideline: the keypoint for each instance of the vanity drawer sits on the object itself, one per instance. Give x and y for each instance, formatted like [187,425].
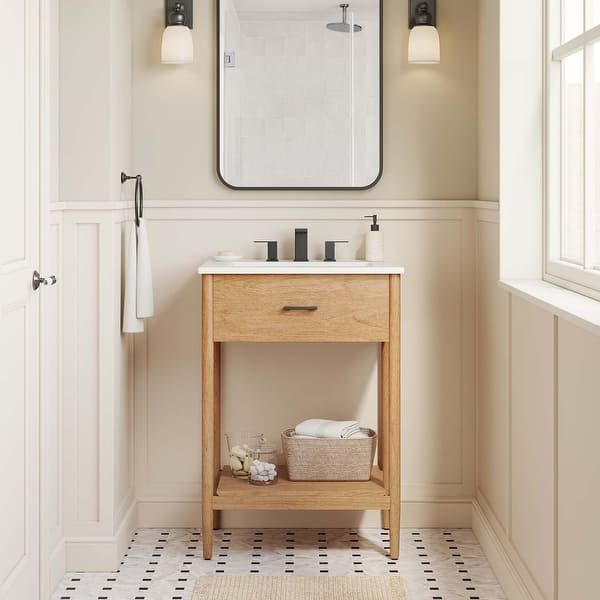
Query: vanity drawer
[301,308]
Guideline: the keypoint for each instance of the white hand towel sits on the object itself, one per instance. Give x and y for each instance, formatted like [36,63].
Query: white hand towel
[145,297]
[131,324]
[324,428]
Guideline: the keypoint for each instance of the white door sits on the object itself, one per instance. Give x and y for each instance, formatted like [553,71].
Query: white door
[19,304]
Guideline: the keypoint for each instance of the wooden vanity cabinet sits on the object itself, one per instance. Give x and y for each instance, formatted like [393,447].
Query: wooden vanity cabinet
[325,307]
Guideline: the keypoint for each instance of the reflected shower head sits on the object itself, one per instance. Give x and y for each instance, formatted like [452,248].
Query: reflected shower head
[344,26]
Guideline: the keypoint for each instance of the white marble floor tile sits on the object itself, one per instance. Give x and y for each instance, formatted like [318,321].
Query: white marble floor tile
[437,564]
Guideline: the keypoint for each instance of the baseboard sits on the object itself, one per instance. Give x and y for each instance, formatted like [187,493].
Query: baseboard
[126,530]
[186,513]
[502,559]
[54,570]
[101,553]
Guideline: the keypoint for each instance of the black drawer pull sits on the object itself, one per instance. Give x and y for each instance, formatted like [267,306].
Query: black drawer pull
[310,308]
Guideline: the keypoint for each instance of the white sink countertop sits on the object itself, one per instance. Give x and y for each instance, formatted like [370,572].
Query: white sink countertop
[289,267]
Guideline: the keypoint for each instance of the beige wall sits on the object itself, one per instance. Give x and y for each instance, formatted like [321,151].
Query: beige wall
[95,126]
[430,139]
[489,100]
[430,126]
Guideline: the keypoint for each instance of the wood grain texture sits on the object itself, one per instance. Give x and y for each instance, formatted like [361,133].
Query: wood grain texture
[238,494]
[383,418]
[351,308]
[217,431]
[394,442]
[209,474]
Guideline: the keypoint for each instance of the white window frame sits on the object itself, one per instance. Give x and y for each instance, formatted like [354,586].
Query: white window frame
[579,278]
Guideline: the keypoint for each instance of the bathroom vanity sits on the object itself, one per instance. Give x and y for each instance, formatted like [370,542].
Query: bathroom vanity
[301,302]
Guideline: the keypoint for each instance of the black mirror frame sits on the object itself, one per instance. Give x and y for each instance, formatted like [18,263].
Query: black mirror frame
[219,53]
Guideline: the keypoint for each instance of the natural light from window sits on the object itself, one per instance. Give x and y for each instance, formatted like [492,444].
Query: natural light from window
[573,145]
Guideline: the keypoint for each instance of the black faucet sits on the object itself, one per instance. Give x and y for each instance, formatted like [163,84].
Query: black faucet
[301,245]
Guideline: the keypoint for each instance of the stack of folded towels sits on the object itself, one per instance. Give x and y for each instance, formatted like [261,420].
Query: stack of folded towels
[324,428]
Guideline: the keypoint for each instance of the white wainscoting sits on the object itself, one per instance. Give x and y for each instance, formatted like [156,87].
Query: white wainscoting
[99,494]
[269,387]
[537,450]
[578,461]
[265,387]
[492,314]
[538,536]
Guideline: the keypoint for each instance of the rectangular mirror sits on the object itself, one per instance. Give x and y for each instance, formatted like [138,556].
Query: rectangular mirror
[300,94]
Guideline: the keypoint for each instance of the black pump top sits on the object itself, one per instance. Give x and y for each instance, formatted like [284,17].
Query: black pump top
[374,225]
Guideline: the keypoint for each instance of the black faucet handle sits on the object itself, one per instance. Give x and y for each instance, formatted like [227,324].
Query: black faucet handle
[330,249]
[271,249]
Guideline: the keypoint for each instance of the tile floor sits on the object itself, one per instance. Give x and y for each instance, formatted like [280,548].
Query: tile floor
[437,564]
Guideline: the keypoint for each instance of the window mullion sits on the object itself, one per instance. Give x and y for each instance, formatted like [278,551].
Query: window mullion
[555,135]
[589,174]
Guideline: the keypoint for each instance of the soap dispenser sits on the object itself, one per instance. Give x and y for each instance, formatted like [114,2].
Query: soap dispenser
[374,241]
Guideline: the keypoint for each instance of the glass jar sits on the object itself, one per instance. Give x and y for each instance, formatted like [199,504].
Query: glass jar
[242,448]
[263,469]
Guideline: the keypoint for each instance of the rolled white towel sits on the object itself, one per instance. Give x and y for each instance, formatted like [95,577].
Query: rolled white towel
[324,428]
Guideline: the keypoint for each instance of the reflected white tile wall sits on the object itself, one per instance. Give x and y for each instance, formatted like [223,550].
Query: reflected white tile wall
[295,112]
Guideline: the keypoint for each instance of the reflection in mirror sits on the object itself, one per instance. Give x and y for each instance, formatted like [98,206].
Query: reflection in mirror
[299,93]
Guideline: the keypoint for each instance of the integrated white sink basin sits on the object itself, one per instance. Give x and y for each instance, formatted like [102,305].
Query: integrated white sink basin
[289,267]
[298,265]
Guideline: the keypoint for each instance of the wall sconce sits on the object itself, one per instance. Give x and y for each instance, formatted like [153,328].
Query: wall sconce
[177,45]
[424,40]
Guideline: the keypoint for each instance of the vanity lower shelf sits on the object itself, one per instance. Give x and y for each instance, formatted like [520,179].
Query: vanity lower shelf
[238,494]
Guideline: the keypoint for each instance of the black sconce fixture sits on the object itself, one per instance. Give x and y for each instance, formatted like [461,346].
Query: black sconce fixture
[424,40]
[177,45]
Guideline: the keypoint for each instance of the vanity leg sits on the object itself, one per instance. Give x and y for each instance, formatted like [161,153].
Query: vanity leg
[208,416]
[383,419]
[217,369]
[394,416]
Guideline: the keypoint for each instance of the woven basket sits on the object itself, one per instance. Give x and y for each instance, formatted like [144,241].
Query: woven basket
[329,459]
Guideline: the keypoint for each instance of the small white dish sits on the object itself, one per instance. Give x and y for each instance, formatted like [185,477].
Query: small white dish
[228,257]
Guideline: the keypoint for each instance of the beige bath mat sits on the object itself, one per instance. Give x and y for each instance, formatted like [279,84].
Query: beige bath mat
[292,587]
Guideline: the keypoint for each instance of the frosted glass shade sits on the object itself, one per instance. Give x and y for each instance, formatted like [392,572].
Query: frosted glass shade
[177,46]
[424,45]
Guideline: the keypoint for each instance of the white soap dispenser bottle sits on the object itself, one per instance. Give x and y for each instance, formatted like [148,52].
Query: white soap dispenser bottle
[374,241]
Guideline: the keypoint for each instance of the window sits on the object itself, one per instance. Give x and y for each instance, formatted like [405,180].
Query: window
[573,145]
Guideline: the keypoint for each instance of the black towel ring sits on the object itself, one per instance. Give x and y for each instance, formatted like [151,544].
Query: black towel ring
[139,195]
